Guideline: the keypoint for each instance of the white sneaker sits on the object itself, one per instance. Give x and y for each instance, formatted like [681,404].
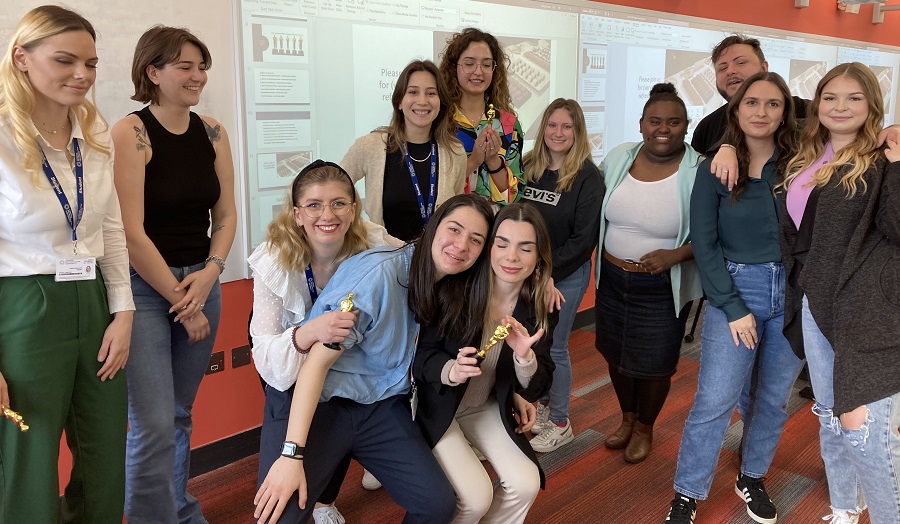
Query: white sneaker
[841,516]
[542,418]
[553,437]
[328,515]
[369,481]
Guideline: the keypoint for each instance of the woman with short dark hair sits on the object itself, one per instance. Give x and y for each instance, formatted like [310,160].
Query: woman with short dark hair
[175,179]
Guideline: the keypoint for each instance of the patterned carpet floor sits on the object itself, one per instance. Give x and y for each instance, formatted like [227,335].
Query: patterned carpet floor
[586,482]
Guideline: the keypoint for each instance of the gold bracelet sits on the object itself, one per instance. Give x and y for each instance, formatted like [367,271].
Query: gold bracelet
[729,146]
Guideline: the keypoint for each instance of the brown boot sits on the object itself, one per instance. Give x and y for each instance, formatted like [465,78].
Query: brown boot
[640,444]
[620,438]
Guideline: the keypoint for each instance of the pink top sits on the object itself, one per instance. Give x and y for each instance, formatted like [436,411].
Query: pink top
[801,187]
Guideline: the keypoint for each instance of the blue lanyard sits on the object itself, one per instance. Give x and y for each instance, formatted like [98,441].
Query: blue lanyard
[311,282]
[71,218]
[432,192]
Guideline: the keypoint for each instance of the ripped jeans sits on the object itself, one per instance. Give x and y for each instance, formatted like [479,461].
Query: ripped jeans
[864,460]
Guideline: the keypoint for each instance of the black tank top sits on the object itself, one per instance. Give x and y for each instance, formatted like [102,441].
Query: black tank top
[180,188]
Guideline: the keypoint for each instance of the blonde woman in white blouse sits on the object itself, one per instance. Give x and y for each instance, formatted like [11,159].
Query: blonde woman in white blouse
[64,287]
[304,246]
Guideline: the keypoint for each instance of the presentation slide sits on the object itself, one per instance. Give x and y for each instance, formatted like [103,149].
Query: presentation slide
[317,74]
[320,73]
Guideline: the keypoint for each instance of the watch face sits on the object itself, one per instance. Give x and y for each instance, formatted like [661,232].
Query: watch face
[289,449]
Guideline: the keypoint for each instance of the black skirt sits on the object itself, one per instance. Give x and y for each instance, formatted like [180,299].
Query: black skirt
[637,330]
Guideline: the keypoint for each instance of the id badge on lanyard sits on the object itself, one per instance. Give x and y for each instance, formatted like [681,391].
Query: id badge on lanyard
[74,267]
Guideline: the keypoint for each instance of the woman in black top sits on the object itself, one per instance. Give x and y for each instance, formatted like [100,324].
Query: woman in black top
[397,161]
[566,188]
[487,402]
[173,172]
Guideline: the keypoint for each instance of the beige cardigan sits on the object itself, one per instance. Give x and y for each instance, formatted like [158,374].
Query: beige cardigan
[366,158]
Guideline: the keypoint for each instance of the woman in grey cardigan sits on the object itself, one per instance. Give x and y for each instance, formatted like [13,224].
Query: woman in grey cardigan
[414,164]
[840,235]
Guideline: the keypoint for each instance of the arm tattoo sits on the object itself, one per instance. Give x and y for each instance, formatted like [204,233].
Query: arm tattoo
[214,133]
[143,141]
[217,228]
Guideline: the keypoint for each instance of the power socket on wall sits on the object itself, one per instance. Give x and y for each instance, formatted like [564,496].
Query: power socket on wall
[216,363]
[240,356]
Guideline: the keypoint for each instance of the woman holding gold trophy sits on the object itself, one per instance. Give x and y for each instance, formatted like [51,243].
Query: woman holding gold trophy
[352,398]
[64,288]
[484,396]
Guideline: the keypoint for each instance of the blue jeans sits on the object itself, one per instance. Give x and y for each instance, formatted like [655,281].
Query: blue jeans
[724,370]
[572,288]
[163,373]
[868,457]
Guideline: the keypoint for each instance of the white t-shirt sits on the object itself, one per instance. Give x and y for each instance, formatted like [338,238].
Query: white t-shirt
[642,216]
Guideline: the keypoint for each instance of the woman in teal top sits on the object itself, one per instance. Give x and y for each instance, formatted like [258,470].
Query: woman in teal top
[735,239]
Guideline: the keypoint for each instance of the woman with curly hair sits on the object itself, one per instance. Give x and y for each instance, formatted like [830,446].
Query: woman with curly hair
[474,67]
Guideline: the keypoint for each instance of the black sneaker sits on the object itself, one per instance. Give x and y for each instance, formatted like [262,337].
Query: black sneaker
[759,505]
[682,511]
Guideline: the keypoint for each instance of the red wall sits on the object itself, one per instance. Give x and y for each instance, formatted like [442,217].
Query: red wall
[231,402]
[820,18]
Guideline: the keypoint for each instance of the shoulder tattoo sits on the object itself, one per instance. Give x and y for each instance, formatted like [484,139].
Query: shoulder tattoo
[143,141]
[214,133]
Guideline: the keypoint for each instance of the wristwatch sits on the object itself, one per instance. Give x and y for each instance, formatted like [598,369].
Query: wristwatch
[292,450]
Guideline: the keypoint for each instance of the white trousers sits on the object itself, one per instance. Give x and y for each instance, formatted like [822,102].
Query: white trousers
[477,500]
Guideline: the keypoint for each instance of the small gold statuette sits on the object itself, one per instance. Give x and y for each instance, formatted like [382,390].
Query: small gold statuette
[499,334]
[16,418]
[490,115]
[347,303]
[346,306]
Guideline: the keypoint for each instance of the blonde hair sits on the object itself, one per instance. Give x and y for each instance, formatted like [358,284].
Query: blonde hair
[290,240]
[538,159]
[860,154]
[17,99]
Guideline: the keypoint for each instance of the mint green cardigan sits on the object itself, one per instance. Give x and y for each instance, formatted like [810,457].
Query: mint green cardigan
[685,276]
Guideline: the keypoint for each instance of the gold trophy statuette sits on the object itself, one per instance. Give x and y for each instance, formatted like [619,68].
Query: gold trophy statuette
[16,418]
[490,115]
[499,334]
[346,307]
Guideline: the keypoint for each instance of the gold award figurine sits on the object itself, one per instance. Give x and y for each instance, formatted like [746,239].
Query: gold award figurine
[347,303]
[499,334]
[16,418]
[490,115]
[346,307]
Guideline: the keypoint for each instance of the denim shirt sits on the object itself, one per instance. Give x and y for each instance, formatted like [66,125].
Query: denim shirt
[378,352]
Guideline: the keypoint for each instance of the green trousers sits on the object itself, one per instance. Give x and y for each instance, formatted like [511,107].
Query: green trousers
[50,335]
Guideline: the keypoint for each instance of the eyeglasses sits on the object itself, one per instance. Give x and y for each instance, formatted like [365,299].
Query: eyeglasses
[316,209]
[468,65]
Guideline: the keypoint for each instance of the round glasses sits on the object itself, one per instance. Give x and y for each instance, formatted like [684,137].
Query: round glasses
[469,65]
[316,209]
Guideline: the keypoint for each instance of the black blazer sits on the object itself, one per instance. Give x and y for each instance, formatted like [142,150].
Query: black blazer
[438,402]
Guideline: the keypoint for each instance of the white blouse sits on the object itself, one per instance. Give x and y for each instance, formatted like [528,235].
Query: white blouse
[34,232]
[281,300]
